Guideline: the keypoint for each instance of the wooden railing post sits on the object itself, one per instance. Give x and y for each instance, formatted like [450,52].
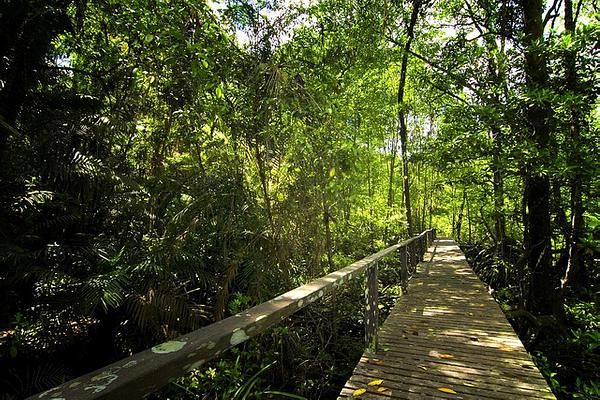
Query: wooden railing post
[403,267]
[413,257]
[371,307]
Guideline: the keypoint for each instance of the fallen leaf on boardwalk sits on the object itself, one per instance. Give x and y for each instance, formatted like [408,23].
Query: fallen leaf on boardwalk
[383,389]
[506,349]
[482,305]
[446,390]
[376,382]
[380,306]
[468,384]
[446,356]
[386,349]
[424,368]
[380,362]
[358,392]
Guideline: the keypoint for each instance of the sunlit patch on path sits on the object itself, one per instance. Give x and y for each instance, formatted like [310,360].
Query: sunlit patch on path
[447,338]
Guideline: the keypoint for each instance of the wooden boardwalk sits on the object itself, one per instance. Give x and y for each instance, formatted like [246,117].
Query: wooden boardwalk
[447,338]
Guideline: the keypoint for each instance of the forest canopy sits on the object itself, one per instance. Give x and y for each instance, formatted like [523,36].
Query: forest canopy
[165,164]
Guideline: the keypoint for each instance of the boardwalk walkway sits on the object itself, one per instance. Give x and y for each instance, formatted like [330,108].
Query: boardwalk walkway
[447,333]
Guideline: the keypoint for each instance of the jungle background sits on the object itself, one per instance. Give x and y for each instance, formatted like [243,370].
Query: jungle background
[167,163]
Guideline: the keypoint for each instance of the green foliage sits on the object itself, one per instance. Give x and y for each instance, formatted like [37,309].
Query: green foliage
[165,164]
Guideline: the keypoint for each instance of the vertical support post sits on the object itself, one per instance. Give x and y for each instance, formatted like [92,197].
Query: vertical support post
[409,257]
[413,258]
[403,268]
[371,307]
[414,254]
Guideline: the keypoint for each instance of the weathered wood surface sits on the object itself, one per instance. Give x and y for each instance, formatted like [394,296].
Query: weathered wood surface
[144,372]
[447,333]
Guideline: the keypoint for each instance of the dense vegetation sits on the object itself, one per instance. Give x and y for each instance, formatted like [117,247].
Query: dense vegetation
[166,163]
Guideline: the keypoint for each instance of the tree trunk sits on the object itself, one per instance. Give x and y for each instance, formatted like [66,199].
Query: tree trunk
[499,219]
[390,197]
[538,246]
[424,198]
[469,217]
[402,114]
[460,216]
[328,240]
[572,275]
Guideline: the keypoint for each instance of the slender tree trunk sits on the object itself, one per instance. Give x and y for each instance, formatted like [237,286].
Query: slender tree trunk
[328,240]
[572,275]
[424,198]
[453,215]
[390,197]
[469,217]
[460,216]
[402,114]
[538,246]
[264,186]
[499,219]
[370,193]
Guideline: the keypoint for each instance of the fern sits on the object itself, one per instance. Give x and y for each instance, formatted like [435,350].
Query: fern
[32,200]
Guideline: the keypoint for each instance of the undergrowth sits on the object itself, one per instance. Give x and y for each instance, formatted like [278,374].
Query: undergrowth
[567,349]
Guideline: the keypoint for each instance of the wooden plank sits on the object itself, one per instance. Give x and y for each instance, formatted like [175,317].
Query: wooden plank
[447,332]
[144,372]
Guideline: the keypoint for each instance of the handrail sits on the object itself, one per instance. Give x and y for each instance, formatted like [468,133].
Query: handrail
[142,373]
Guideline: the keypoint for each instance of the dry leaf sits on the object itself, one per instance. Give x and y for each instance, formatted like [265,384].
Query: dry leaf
[506,349]
[446,356]
[446,390]
[468,384]
[375,382]
[382,389]
[358,392]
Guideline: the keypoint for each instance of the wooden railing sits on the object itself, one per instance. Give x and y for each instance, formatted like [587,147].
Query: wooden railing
[142,373]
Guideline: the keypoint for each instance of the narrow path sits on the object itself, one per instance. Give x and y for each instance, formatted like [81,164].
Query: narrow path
[447,338]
